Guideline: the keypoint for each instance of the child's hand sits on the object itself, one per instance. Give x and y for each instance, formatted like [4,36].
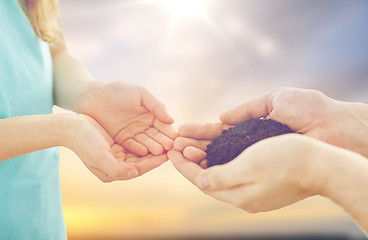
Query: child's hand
[105,159]
[131,115]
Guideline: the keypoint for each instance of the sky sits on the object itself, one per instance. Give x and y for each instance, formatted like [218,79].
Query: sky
[201,60]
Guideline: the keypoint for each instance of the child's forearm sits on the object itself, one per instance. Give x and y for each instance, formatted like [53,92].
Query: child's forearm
[70,76]
[71,79]
[22,135]
[346,183]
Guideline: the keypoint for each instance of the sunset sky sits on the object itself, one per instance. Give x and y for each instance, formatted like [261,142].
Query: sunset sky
[201,58]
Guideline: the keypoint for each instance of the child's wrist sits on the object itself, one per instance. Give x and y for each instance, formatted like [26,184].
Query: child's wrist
[68,127]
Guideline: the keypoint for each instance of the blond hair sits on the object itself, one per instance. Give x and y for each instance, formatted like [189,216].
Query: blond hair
[43,16]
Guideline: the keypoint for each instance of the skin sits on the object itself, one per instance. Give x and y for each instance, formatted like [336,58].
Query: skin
[107,160]
[131,115]
[311,113]
[120,130]
[268,176]
[305,111]
[332,149]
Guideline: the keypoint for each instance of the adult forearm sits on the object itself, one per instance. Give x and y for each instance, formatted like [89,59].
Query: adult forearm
[347,183]
[21,135]
[71,78]
[359,141]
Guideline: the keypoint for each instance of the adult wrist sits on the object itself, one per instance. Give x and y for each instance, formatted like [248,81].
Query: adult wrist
[345,177]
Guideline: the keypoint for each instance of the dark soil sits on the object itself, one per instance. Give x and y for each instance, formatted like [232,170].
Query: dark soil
[233,141]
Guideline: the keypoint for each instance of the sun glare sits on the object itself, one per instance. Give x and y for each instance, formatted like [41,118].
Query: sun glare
[184,8]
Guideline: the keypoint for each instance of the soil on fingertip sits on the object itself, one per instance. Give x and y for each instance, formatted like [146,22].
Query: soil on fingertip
[235,140]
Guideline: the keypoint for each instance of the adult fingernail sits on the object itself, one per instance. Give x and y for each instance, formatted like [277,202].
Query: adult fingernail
[202,182]
[132,173]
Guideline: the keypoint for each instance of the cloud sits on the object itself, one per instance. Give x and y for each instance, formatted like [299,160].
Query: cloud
[201,67]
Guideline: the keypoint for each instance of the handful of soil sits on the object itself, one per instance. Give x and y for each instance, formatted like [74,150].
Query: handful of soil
[235,140]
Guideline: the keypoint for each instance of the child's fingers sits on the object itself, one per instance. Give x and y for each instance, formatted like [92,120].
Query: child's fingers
[135,147]
[162,139]
[165,129]
[154,147]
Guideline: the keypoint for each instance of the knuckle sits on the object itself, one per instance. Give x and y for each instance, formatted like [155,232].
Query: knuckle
[251,210]
[243,204]
[247,205]
[317,94]
[157,150]
[150,131]
[178,143]
[168,145]
[202,182]
[208,182]
[114,173]
[279,90]
[105,180]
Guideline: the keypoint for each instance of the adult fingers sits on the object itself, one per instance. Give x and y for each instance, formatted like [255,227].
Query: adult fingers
[194,154]
[204,179]
[205,131]
[238,196]
[223,177]
[230,175]
[182,142]
[154,105]
[256,108]
[188,169]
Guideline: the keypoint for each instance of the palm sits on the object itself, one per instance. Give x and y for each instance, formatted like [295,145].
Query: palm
[131,116]
[262,178]
[142,164]
[110,161]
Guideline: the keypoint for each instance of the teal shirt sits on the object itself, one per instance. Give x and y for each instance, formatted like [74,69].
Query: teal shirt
[30,196]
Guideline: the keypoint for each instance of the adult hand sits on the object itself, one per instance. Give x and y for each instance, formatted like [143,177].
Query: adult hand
[194,138]
[131,115]
[266,176]
[105,159]
[274,173]
[311,113]
[282,170]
